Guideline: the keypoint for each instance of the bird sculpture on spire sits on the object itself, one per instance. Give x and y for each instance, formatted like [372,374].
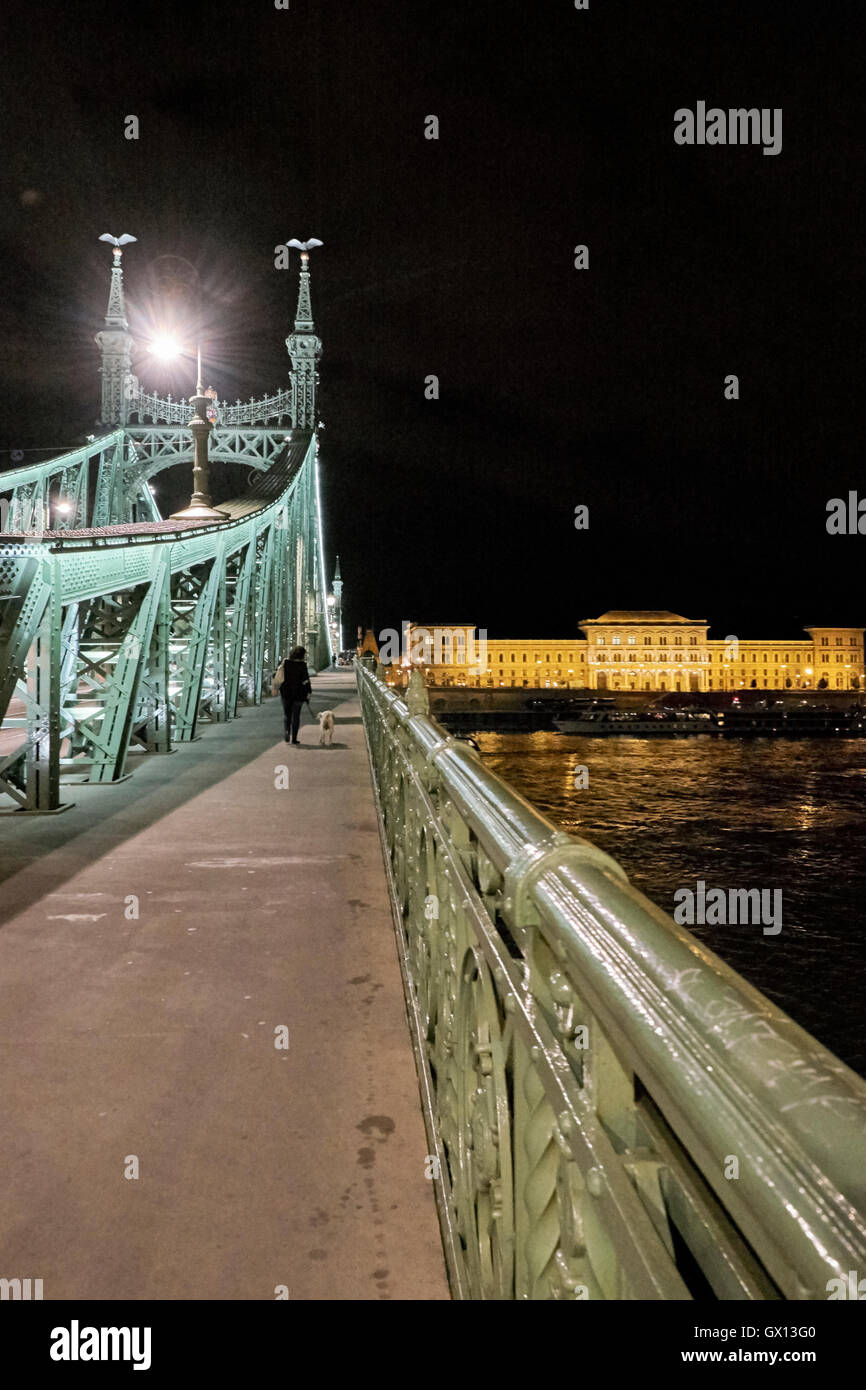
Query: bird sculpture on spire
[118,240]
[305,245]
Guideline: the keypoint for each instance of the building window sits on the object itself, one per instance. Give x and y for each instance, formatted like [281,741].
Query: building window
[599,641]
[647,641]
[825,641]
[693,641]
[838,641]
[678,641]
[663,641]
[616,641]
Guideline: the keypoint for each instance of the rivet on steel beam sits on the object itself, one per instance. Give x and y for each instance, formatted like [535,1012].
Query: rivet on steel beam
[564,1122]
[535,1052]
[510,1004]
[595,1182]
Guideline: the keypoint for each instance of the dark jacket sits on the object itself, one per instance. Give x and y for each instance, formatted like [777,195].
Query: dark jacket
[296,681]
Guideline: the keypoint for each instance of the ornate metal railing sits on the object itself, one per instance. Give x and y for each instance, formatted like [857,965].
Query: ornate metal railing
[612,1112]
[164,410]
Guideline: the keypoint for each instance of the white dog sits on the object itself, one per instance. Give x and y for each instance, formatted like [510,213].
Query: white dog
[326,725]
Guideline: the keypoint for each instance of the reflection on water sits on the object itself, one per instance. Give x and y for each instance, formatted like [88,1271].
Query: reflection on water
[751,813]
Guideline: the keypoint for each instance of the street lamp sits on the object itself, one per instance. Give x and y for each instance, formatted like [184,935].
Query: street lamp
[200,508]
[165,348]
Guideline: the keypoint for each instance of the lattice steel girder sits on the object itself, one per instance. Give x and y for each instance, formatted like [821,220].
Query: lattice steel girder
[217,653]
[156,704]
[26,575]
[112,743]
[108,504]
[258,616]
[61,479]
[30,668]
[111,591]
[71,509]
[278,608]
[192,669]
[43,731]
[162,446]
[238,623]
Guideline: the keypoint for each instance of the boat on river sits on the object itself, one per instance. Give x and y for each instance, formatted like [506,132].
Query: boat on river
[736,721]
[638,723]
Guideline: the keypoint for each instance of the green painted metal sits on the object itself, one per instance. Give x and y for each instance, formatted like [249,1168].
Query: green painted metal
[111,737]
[26,580]
[237,617]
[190,672]
[43,708]
[156,630]
[590,1070]
[115,634]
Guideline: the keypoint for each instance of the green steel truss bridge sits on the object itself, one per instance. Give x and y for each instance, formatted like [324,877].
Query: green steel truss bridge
[121,630]
[611,1111]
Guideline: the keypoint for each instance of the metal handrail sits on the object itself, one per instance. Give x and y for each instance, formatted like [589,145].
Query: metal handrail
[697,1139]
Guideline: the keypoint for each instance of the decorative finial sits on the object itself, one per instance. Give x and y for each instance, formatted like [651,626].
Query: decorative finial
[118,242]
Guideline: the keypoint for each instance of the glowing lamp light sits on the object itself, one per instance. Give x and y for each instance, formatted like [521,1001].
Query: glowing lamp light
[64,508]
[165,348]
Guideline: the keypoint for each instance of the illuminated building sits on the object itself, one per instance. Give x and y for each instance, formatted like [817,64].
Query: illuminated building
[644,651]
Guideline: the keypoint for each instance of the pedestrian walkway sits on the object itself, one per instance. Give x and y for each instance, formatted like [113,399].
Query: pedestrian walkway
[157,942]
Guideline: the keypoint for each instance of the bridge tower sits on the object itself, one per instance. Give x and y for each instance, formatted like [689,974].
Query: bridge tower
[305,349]
[115,344]
[337,624]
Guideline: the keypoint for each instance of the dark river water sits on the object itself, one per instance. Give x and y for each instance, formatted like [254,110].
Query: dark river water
[750,813]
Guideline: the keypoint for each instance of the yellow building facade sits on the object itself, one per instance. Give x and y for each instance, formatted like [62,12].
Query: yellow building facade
[641,651]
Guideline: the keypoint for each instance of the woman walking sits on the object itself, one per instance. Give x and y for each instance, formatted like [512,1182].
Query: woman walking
[292,683]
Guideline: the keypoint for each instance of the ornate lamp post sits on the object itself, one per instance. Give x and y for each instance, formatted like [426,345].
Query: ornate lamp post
[200,508]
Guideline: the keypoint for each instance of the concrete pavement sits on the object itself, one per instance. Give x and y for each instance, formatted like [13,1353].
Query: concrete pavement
[158,944]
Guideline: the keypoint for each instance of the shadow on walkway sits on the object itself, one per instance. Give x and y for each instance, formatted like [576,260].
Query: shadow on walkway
[106,816]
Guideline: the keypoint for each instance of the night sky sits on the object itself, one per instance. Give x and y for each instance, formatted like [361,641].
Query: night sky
[456,258]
